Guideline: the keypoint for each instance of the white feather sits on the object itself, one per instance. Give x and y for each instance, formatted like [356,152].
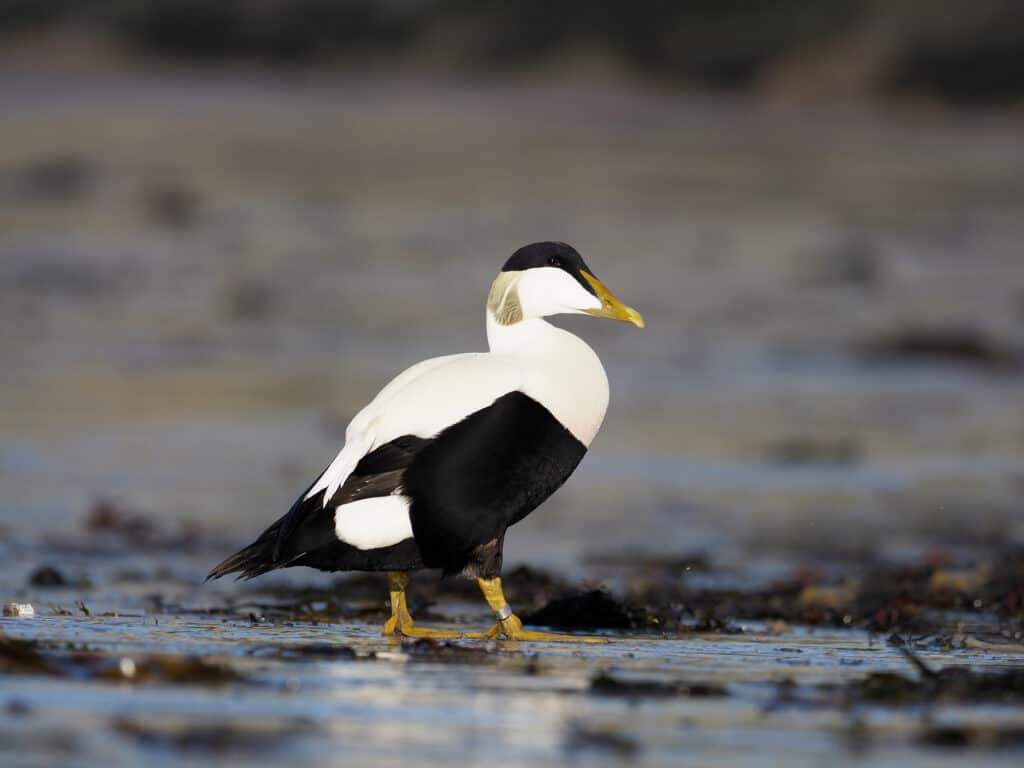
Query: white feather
[420,401]
[373,523]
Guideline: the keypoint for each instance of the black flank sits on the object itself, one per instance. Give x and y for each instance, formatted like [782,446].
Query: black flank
[482,475]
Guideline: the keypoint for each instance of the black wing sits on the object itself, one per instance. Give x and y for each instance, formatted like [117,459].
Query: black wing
[309,525]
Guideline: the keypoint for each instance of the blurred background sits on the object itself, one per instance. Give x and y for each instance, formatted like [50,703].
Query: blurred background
[224,226]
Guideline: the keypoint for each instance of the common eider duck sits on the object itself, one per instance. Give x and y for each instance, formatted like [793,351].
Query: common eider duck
[458,448]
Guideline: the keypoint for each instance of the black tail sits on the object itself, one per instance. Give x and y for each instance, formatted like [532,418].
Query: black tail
[253,560]
[268,553]
[307,527]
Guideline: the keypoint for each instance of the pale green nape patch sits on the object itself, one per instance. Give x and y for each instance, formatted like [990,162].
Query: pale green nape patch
[503,300]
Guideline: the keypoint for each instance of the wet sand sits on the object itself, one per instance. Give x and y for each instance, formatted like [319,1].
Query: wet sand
[131,658]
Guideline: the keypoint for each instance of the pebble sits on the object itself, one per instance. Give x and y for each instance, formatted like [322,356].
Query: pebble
[24,610]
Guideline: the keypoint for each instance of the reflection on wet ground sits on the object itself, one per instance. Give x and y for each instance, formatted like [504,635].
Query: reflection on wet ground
[216,689]
[129,657]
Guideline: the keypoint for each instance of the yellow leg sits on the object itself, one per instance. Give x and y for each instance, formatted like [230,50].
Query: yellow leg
[401,622]
[509,625]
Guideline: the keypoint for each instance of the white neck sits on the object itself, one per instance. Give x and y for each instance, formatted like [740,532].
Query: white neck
[561,371]
[517,336]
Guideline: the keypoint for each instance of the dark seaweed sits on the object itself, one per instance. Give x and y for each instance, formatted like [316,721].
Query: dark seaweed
[426,649]
[213,738]
[30,657]
[608,685]
[596,609]
[951,684]
[585,737]
[972,736]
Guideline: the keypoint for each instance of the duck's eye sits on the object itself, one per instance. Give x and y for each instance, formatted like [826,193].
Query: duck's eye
[554,261]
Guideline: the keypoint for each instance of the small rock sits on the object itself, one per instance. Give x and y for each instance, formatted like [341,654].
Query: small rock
[18,708]
[603,739]
[596,609]
[249,300]
[106,515]
[60,178]
[172,205]
[24,610]
[47,576]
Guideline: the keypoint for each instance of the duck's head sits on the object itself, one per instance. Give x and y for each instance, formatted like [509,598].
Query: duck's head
[551,279]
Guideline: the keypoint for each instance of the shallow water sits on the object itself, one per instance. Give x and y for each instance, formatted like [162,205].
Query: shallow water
[517,704]
[280,687]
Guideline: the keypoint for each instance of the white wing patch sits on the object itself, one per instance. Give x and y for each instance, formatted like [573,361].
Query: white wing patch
[373,523]
[356,446]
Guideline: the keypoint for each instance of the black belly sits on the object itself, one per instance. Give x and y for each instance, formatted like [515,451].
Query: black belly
[480,476]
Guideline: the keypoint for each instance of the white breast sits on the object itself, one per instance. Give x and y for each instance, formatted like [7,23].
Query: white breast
[561,372]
